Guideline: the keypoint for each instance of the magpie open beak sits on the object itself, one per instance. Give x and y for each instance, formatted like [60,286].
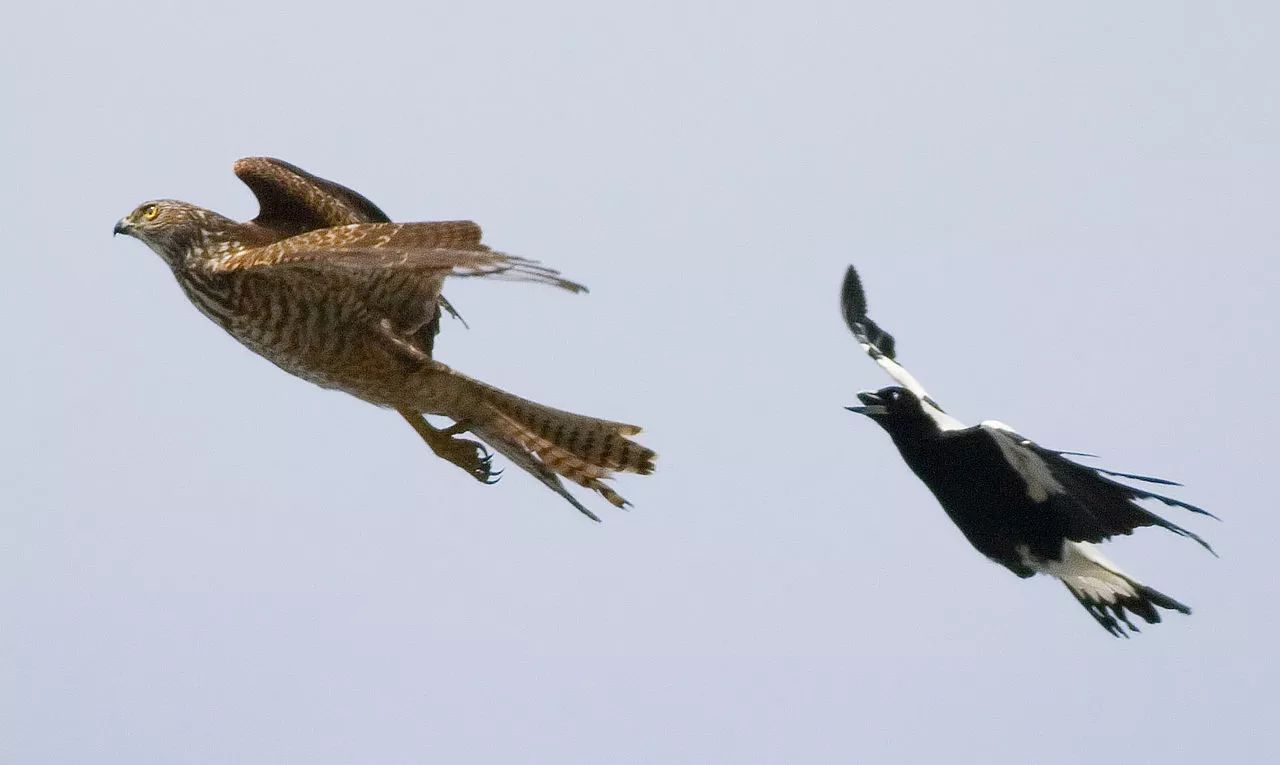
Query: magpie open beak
[874,404]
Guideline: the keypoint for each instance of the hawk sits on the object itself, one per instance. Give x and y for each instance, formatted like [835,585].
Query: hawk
[325,287]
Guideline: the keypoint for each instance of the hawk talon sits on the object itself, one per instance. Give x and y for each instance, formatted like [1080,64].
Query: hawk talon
[471,456]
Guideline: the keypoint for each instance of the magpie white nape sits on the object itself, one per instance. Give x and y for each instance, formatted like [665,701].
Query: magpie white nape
[1026,507]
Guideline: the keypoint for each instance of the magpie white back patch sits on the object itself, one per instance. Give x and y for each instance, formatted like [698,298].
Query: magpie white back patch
[940,418]
[904,378]
[997,425]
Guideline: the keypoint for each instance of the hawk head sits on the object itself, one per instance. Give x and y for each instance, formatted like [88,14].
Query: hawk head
[175,229]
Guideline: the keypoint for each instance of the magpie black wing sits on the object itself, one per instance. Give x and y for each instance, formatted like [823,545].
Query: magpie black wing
[853,300]
[880,345]
[1090,506]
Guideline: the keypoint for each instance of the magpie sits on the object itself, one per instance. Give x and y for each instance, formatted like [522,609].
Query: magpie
[1027,508]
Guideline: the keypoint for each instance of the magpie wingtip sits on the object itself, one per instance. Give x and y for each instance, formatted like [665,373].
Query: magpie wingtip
[1200,541]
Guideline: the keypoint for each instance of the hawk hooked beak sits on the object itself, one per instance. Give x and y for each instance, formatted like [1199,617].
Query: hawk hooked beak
[122,227]
[874,404]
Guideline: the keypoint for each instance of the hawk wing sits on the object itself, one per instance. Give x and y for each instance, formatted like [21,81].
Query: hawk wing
[292,201]
[397,269]
[428,249]
[1090,506]
[880,346]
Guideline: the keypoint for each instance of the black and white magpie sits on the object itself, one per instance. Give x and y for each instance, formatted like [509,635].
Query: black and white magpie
[1026,507]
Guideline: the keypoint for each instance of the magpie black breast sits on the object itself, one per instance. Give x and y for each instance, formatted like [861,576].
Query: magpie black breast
[1028,508]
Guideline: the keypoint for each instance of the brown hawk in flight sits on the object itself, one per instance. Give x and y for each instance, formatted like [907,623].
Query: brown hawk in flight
[325,287]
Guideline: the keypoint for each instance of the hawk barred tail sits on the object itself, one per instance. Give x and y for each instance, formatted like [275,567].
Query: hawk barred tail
[544,441]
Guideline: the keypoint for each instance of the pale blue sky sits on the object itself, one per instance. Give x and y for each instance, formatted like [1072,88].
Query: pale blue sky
[1066,214]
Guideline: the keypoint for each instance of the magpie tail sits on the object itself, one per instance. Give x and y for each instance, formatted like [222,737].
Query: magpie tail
[1114,615]
[1107,593]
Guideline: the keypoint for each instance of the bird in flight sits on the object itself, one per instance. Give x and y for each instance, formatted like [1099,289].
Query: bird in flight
[325,287]
[1026,507]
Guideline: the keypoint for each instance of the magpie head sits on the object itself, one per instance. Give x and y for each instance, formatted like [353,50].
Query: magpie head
[885,403]
[895,409]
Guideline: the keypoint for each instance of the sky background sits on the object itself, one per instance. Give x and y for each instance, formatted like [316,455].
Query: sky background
[1066,215]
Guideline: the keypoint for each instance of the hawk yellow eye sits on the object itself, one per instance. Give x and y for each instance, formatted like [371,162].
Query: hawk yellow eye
[150,212]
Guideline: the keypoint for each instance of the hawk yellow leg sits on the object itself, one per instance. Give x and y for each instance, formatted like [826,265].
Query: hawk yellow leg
[469,455]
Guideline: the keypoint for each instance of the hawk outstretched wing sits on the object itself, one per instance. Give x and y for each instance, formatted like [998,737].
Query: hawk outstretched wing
[427,249]
[398,268]
[292,201]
